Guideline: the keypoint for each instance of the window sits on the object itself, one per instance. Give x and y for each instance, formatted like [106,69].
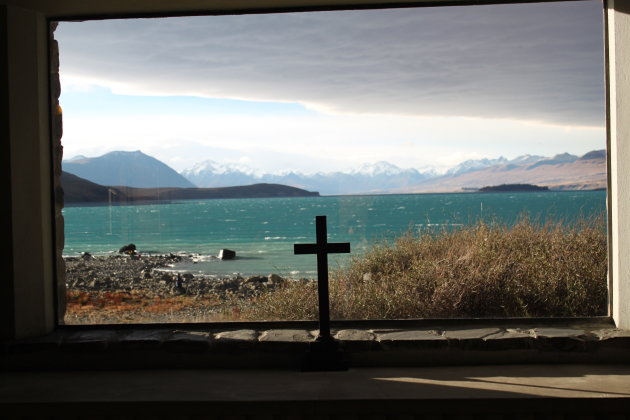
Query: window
[31,296]
[341,103]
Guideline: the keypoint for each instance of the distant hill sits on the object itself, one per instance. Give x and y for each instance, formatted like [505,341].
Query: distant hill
[80,191]
[595,154]
[131,169]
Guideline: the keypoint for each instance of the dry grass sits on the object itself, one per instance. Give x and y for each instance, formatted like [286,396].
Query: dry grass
[100,307]
[486,270]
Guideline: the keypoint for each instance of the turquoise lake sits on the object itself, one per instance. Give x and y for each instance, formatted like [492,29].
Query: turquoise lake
[263,231]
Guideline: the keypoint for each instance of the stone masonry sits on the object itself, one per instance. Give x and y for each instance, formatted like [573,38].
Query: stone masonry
[276,347]
[57,156]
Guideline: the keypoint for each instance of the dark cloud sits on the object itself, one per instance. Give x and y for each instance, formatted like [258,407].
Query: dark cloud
[540,61]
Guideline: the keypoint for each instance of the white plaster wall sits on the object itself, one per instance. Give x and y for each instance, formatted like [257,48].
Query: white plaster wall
[618,15]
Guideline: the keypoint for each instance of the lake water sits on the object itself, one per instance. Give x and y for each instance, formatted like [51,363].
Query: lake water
[263,231]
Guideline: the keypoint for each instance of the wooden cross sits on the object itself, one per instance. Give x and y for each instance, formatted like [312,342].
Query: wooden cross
[322,248]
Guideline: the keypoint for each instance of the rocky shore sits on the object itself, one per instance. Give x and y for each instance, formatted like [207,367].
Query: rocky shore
[136,284]
[127,273]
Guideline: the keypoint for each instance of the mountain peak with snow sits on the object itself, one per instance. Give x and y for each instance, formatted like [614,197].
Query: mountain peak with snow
[211,166]
[525,159]
[378,168]
[474,165]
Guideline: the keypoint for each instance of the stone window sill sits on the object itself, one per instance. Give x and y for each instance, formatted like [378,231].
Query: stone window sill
[282,345]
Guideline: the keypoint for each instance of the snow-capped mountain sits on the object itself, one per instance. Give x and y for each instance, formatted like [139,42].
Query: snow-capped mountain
[378,168]
[525,159]
[372,177]
[474,165]
[213,174]
[385,177]
[217,168]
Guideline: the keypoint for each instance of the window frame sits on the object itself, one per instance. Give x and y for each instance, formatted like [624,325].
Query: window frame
[31,304]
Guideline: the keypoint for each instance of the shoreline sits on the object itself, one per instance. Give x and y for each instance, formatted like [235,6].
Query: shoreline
[122,288]
[186,262]
[124,272]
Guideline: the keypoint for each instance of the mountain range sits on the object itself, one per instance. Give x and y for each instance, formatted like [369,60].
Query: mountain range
[367,178]
[560,172]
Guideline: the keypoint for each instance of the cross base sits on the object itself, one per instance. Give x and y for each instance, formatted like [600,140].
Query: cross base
[324,355]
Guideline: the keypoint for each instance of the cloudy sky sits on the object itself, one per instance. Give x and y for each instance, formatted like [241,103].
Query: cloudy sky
[425,87]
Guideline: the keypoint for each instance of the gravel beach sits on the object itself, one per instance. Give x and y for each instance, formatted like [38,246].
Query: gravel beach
[132,288]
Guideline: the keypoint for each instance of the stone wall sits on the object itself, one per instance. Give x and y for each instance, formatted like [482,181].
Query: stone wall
[57,156]
[268,345]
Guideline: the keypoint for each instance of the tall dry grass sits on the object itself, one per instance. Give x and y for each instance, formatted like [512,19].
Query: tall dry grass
[485,270]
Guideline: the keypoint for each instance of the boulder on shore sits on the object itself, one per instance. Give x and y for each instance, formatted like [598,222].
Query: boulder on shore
[274,279]
[226,254]
[131,248]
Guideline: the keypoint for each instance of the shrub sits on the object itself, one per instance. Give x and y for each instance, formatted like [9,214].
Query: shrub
[484,270]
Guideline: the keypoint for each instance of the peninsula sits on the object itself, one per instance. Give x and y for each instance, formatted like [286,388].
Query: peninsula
[513,188]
